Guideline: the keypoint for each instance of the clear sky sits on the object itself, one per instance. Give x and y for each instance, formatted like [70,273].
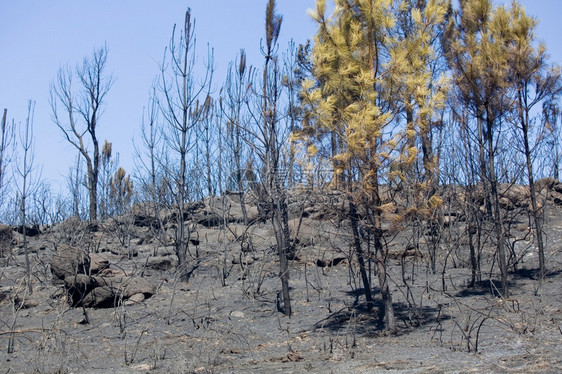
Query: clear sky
[38,36]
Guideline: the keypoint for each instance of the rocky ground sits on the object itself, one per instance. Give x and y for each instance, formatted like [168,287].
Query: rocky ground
[108,299]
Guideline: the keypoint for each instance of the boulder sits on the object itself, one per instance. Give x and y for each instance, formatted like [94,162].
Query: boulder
[161,263]
[216,210]
[143,215]
[135,299]
[207,218]
[80,280]
[146,221]
[98,263]
[514,196]
[77,287]
[549,184]
[122,251]
[69,261]
[100,297]
[105,292]
[135,285]
[168,250]
[29,231]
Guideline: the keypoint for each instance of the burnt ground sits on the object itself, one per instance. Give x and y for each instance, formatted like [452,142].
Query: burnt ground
[226,318]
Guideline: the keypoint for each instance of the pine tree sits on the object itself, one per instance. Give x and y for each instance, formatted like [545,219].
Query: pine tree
[366,75]
[422,81]
[533,82]
[121,191]
[476,48]
[271,157]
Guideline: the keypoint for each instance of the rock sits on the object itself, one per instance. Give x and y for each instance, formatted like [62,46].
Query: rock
[548,184]
[136,285]
[98,263]
[69,261]
[144,215]
[161,263]
[5,229]
[70,226]
[306,230]
[258,237]
[207,218]
[108,272]
[213,211]
[29,231]
[244,260]
[514,196]
[330,263]
[77,287]
[449,219]
[166,251]
[100,297]
[40,296]
[237,314]
[123,251]
[135,299]
[81,280]
[557,187]
[106,292]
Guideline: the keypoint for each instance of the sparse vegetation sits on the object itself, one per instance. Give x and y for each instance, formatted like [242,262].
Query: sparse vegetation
[402,144]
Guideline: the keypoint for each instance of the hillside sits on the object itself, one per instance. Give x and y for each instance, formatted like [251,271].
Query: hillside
[107,298]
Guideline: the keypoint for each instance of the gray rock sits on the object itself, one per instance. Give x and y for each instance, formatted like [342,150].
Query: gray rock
[136,285]
[135,299]
[105,292]
[237,314]
[161,263]
[98,263]
[69,261]
[100,297]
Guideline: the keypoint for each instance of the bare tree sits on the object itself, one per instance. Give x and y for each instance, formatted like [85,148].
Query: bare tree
[75,185]
[24,170]
[148,176]
[208,147]
[551,121]
[234,97]
[179,96]
[6,143]
[83,109]
[275,195]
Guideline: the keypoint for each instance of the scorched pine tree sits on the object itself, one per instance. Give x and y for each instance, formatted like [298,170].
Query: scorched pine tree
[362,71]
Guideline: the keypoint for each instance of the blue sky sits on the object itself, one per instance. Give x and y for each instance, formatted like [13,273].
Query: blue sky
[37,37]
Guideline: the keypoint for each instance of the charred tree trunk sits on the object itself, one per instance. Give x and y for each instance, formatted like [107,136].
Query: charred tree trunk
[381,255]
[494,194]
[360,253]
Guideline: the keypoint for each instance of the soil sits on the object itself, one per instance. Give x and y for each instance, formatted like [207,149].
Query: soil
[226,318]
